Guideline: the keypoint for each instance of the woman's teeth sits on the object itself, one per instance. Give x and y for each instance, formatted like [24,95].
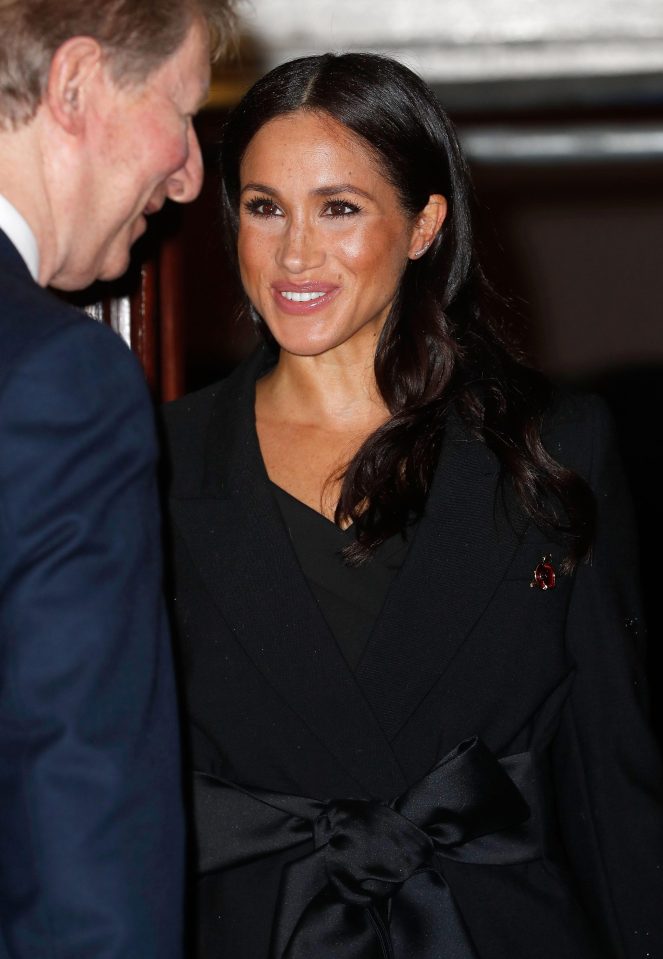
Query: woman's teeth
[301,297]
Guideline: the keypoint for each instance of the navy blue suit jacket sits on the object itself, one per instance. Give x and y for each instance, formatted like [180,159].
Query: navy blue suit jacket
[91,838]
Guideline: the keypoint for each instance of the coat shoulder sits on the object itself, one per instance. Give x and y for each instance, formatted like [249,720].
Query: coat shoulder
[36,323]
[186,423]
[577,425]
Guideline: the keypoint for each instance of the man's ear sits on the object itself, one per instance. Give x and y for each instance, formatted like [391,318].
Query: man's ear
[427,225]
[73,69]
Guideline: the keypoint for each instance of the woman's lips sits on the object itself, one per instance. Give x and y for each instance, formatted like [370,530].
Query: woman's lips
[297,299]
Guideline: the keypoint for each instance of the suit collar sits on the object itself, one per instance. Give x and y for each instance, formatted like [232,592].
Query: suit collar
[459,554]
[17,229]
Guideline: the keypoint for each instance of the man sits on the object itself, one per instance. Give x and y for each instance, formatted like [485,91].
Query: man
[96,103]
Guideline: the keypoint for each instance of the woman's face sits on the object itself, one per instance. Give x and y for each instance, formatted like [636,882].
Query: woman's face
[323,239]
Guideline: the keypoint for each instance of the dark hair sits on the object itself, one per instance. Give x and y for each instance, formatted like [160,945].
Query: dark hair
[442,347]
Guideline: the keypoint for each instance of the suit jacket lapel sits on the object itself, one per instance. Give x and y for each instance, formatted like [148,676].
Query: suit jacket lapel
[460,552]
[237,538]
[11,259]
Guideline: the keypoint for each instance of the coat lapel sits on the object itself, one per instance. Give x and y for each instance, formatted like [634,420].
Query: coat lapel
[237,539]
[460,552]
[11,260]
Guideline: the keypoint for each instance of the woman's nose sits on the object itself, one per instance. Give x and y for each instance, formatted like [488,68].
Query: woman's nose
[300,248]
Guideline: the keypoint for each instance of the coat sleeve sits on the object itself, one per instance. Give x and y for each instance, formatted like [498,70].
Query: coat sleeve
[91,829]
[608,771]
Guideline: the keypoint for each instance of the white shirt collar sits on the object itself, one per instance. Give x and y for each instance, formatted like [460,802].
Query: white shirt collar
[18,230]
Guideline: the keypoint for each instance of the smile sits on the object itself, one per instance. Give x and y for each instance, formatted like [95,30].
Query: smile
[304,298]
[301,297]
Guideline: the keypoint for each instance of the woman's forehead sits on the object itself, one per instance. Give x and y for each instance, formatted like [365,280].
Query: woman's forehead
[309,142]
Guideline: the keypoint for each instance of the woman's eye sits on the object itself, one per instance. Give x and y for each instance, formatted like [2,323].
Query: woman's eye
[339,208]
[261,206]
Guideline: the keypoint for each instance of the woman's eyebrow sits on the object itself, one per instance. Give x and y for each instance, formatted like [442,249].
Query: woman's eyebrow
[259,188]
[331,190]
[341,188]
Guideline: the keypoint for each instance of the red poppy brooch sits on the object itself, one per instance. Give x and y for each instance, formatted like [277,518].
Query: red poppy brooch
[544,575]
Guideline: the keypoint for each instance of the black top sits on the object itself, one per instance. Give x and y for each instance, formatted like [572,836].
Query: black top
[350,597]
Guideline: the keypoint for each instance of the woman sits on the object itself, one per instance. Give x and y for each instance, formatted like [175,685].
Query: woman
[407,624]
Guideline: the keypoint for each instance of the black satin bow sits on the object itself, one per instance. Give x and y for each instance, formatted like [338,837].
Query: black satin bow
[373,887]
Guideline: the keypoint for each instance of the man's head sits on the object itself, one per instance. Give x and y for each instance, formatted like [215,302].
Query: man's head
[135,36]
[96,104]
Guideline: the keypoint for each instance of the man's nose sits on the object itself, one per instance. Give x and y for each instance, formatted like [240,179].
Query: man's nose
[184,185]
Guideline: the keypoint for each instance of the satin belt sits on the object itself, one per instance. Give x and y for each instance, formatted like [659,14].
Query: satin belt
[373,887]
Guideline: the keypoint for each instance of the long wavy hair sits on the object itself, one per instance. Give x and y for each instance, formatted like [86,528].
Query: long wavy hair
[443,346]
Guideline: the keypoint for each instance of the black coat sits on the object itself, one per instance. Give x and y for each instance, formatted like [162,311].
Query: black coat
[463,648]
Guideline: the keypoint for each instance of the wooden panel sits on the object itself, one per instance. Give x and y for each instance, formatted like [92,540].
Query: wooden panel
[131,306]
[145,323]
[171,316]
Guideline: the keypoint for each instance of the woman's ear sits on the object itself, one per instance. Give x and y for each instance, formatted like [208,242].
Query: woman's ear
[427,225]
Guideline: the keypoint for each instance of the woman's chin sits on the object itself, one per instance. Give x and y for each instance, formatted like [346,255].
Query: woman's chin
[299,345]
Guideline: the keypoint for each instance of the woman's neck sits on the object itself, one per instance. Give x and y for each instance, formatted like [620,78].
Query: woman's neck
[328,391]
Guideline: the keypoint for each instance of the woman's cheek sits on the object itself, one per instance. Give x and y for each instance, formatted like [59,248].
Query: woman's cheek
[253,254]
[360,247]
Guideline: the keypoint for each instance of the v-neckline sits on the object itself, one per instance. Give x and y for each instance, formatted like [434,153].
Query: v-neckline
[323,519]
